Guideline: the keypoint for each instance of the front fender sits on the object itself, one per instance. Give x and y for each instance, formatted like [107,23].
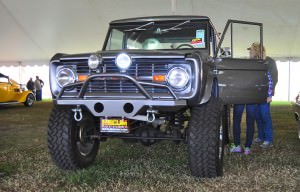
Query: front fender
[208,88]
[206,83]
[22,98]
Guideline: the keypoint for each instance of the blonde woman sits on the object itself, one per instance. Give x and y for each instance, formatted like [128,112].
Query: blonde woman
[263,116]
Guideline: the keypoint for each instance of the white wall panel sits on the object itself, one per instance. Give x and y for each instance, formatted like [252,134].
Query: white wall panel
[37,29]
[294,80]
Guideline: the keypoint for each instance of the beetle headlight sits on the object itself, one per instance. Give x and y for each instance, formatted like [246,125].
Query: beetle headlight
[94,61]
[65,76]
[123,61]
[178,77]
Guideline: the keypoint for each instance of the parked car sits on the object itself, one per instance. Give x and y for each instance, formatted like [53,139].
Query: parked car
[296,107]
[153,75]
[12,92]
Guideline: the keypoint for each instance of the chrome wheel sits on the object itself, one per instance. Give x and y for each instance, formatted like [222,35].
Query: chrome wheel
[85,144]
[29,100]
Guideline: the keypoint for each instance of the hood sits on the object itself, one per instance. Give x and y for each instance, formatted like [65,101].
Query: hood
[132,53]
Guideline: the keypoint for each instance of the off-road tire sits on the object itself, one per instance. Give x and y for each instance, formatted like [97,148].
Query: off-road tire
[299,129]
[64,141]
[205,140]
[29,100]
[226,124]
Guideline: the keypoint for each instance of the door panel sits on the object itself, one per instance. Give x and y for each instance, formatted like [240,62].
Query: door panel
[242,81]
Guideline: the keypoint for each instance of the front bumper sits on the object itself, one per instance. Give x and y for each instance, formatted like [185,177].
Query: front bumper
[131,108]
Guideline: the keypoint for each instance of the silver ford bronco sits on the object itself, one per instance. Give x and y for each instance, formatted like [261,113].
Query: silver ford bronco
[156,78]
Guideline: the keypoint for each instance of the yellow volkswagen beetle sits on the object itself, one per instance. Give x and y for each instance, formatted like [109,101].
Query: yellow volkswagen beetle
[11,92]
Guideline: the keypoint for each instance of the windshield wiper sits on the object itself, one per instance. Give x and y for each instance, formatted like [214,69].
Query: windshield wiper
[140,28]
[175,27]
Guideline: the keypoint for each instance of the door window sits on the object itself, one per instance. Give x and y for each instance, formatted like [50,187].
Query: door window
[237,37]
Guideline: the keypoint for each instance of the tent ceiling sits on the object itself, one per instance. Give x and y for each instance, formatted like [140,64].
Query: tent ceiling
[37,29]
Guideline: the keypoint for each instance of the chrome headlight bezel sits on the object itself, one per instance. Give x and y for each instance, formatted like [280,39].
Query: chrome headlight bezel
[123,61]
[94,61]
[178,72]
[70,74]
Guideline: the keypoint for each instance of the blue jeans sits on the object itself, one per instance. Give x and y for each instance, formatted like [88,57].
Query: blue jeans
[38,95]
[259,124]
[237,118]
[264,122]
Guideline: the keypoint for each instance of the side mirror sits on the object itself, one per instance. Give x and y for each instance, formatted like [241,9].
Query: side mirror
[225,52]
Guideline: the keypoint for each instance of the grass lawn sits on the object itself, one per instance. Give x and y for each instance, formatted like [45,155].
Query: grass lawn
[25,164]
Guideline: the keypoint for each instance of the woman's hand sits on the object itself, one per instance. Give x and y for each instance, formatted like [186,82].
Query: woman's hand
[269,99]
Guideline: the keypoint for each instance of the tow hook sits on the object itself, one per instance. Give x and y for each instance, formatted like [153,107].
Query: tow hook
[151,115]
[77,113]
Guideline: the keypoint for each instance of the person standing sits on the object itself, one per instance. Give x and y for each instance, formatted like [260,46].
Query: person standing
[30,85]
[237,118]
[251,110]
[38,84]
[263,116]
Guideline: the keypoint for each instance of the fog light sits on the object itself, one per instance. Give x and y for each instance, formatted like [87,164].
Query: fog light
[123,61]
[94,61]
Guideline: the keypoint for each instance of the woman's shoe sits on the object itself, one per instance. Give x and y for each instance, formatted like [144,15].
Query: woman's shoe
[235,149]
[266,145]
[247,151]
[258,140]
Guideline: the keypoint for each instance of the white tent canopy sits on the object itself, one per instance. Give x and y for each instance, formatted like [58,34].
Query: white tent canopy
[32,31]
[37,29]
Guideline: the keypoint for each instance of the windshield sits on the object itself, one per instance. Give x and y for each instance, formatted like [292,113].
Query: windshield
[162,35]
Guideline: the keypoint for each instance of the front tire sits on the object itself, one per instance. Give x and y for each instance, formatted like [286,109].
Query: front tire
[68,141]
[299,129]
[29,100]
[205,140]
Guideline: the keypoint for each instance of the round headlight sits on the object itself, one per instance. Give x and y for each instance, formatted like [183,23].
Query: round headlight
[123,61]
[65,76]
[178,77]
[94,61]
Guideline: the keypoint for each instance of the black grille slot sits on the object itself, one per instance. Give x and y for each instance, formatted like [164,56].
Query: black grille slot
[81,66]
[112,86]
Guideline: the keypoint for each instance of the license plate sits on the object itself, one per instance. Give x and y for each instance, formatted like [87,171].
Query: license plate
[114,125]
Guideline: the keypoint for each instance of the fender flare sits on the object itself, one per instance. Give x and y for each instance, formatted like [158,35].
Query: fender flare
[211,82]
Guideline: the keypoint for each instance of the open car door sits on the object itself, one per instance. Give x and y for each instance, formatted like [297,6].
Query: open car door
[241,80]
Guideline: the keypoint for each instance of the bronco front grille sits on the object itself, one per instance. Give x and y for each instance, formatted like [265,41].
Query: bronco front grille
[142,69]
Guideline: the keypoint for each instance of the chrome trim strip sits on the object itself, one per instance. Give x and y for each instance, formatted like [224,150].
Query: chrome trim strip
[148,57]
[52,75]
[196,79]
[134,57]
[73,58]
[157,57]
[8,103]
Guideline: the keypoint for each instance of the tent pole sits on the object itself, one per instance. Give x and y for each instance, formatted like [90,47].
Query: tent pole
[289,87]
[173,6]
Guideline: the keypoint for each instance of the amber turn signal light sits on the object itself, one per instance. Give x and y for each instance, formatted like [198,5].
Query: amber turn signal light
[159,78]
[82,77]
